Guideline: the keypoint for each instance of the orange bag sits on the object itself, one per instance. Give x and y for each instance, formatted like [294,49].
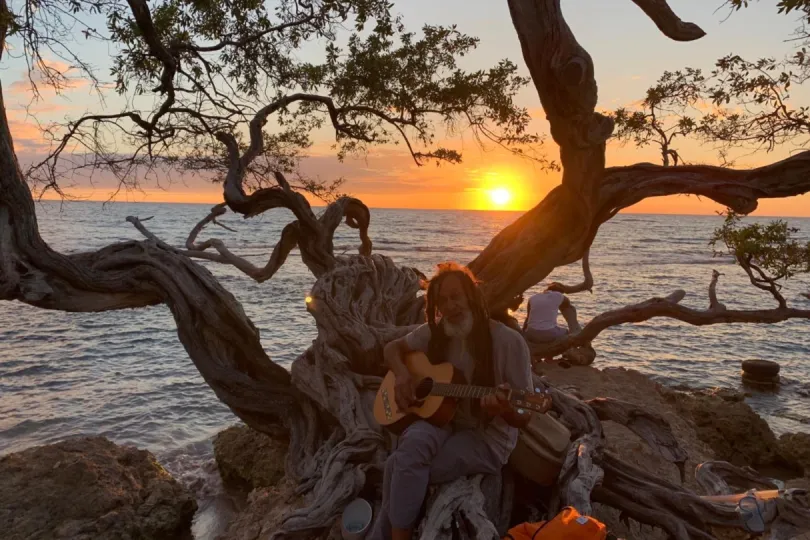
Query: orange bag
[567,525]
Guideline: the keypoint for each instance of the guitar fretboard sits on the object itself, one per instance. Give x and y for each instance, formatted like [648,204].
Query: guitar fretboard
[461,390]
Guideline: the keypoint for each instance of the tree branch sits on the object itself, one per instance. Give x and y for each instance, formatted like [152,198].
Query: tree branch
[563,225]
[739,189]
[247,39]
[587,283]
[654,429]
[669,23]
[668,307]
[714,305]
[722,478]
[760,283]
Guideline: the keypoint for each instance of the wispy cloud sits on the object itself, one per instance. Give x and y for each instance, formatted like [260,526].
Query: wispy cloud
[27,135]
[69,77]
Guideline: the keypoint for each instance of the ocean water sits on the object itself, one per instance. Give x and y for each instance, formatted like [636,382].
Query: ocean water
[124,374]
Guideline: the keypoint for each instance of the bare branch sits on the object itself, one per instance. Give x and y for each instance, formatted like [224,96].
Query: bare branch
[654,501]
[738,189]
[587,283]
[667,307]
[216,211]
[722,478]
[669,23]
[289,239]
[314,239]
[653,428]
[714,305]
[764,282]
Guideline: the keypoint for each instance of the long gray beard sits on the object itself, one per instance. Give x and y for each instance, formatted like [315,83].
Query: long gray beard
[460,330]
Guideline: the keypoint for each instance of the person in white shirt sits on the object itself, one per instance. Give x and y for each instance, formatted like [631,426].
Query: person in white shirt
[541,325]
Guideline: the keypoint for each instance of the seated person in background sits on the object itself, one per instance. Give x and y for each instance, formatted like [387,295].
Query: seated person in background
[540,325]
[483,432]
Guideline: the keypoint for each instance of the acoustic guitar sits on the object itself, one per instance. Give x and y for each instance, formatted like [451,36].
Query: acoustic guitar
[439,388]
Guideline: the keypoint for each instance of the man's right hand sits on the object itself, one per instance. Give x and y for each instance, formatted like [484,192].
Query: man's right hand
[404,386]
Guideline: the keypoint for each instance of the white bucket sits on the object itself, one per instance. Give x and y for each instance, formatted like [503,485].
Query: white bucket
[356,520]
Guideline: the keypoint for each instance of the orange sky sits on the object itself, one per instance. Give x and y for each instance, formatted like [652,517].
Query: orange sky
[484,181]
[492,178]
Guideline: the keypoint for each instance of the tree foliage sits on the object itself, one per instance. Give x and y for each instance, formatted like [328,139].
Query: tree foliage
[266,76]
[739,104]
[772,247]
[663,114]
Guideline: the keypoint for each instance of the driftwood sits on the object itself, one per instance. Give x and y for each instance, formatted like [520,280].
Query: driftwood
[361,302]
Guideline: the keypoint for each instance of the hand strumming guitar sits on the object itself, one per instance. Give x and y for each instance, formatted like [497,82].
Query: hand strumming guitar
[404,386]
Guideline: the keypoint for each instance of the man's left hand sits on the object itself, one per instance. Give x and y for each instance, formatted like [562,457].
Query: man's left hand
[497,404]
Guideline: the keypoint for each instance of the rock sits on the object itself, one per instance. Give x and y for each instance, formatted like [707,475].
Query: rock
[711,424]
[254,461]
[732,429]
[89,488]
[795,448]
[760,373]
[248,459]
[726,394]
[760,369]
[266,510]
[580,356]
[634,387]
[761,383]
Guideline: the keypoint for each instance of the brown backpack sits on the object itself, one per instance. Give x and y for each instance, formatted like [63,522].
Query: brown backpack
[541,449]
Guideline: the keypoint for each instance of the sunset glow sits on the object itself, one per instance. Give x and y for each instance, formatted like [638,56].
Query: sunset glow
[489,178]
[500,196]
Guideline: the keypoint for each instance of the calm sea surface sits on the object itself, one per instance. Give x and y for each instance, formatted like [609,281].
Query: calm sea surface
[124,374]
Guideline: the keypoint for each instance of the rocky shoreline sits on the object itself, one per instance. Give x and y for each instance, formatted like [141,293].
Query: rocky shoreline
[88,487]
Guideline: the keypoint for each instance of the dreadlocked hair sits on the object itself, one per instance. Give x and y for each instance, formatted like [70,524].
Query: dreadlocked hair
[480,338]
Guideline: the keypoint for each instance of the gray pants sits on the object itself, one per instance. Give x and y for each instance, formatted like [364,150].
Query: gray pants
[545,336]
[426,455]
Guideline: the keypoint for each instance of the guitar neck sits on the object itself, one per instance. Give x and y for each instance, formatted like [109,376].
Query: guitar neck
[461,390]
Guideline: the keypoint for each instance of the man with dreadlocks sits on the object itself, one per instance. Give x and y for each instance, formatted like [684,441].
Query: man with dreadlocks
[483,433]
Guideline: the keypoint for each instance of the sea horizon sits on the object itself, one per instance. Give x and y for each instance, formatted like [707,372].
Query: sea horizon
[480,210]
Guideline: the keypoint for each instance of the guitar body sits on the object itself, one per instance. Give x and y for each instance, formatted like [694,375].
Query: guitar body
[437,410]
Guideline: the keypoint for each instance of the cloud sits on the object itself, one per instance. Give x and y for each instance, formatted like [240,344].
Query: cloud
[636,77]
[70,79]
[27,136]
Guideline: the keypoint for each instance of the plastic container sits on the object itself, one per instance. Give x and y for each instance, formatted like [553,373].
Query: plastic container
[356,520]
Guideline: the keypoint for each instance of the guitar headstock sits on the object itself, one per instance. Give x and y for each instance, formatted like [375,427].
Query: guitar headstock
[538,401]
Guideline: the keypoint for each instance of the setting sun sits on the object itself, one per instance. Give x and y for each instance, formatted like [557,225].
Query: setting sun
[500,196]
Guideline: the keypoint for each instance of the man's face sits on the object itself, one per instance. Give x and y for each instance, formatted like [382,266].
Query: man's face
[451,301]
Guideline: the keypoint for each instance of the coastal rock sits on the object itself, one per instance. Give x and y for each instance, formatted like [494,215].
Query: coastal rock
[634,387]
[795,448]
[266,510]
[732,429]
[89,488]
[248,459]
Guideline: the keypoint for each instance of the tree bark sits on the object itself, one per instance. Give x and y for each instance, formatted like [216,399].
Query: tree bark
[361,302]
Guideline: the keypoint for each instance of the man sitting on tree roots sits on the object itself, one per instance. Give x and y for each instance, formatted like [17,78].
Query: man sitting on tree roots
[483,434]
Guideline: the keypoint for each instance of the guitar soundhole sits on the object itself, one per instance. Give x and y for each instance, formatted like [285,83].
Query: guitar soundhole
[423,388]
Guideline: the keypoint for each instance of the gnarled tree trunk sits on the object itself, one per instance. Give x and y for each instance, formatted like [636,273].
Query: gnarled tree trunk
[361,302]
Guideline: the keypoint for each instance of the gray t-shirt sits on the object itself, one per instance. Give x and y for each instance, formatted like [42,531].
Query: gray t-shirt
[512,363]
